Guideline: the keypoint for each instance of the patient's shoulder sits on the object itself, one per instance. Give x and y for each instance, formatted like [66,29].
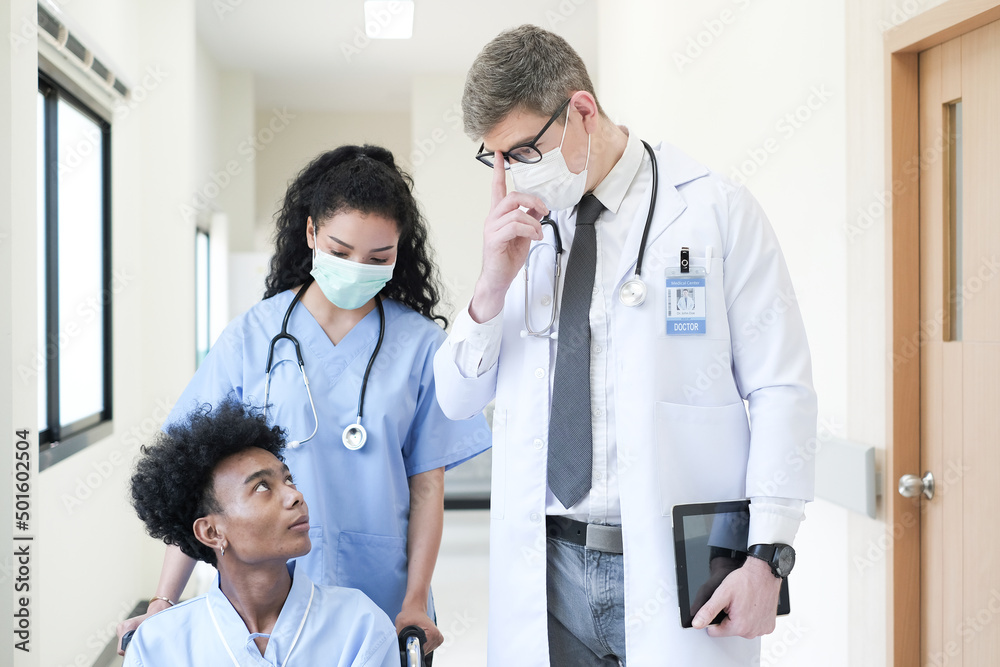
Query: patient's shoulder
[348,601]
[165,633]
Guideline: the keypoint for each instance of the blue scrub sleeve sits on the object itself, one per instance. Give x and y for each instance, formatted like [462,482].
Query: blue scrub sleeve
[434,441]
[220,374]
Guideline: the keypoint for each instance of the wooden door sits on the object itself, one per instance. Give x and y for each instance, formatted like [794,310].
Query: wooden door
[959,163]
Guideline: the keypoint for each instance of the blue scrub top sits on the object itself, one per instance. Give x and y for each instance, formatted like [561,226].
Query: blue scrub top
[317,625]
[358,501]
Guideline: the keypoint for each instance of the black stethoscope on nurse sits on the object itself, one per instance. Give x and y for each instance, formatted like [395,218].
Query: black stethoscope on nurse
[632,292]
[354,435]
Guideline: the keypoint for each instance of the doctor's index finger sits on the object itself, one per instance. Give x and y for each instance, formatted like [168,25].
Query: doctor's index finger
[499,189]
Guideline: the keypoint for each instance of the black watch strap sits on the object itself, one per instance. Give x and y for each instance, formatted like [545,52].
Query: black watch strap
[781,557]
[765,552]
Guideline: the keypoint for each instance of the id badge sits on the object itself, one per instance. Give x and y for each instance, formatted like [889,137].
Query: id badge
[686,302]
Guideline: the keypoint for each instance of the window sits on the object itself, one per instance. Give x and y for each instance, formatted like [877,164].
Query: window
[74,274]
[202,290]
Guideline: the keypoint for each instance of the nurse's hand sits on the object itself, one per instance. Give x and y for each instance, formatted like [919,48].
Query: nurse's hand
[507,236]
[420,618]
[133,623]
[749,596]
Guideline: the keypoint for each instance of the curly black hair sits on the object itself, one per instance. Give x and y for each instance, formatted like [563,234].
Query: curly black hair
[172,483]
[364,179]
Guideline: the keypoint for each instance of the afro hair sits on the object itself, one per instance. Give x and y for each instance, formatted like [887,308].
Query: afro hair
[172,483]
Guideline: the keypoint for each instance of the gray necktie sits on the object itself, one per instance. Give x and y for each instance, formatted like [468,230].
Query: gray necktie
[571,440]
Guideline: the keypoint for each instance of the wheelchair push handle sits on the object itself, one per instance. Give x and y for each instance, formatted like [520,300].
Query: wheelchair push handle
[411,647]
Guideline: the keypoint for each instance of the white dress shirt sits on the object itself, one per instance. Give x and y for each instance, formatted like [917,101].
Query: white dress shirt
[624,192]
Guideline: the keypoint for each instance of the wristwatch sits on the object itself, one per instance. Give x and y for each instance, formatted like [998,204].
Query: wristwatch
[780,557]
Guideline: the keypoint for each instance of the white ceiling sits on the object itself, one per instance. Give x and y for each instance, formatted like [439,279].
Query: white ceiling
[296,49]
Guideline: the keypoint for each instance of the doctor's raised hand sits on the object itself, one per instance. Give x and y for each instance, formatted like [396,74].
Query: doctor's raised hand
[512,224]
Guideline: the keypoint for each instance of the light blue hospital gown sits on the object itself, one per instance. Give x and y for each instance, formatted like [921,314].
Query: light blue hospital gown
[319,626]
[358,500]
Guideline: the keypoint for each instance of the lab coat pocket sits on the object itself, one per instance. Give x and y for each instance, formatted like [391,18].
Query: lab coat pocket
[499,473]
[374,564]
[701,453]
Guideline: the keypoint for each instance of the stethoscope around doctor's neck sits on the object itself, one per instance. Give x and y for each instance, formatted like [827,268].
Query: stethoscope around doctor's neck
[354,435]
[632,293]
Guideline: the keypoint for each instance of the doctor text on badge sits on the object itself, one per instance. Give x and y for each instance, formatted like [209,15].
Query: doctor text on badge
[685,295]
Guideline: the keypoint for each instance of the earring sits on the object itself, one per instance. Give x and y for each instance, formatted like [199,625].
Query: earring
[223,548]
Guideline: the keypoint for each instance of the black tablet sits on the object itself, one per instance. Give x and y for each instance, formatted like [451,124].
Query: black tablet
[710,541]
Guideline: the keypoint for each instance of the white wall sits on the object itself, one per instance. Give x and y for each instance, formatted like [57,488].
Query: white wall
[288,139]
[452,188]
[865,231]
[756,91]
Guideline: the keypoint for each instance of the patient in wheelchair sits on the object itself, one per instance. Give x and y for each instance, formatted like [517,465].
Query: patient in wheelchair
[216,486]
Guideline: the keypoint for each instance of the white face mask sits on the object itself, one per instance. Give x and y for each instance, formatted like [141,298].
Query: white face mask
[348,285]
[550,179]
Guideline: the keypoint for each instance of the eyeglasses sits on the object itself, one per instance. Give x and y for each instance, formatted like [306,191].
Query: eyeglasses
[527,153]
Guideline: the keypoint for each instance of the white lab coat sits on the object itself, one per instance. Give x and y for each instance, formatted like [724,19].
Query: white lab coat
[681,424]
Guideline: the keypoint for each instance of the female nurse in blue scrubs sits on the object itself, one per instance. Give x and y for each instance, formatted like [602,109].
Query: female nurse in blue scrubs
[350,238]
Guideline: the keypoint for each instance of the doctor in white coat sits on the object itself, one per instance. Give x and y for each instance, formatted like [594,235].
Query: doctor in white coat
[726,412]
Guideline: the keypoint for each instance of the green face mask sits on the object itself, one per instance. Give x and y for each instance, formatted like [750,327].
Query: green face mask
[348,285]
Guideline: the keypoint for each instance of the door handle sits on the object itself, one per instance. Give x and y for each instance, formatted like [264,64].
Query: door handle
[911,486]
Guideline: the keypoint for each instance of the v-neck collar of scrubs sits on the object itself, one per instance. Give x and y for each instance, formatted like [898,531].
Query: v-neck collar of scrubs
[357,341]
[239,641]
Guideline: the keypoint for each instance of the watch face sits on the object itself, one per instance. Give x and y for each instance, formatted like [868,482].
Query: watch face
[785,558]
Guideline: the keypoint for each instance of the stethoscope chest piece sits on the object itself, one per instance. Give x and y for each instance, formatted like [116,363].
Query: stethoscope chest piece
[633,292]
[355,436]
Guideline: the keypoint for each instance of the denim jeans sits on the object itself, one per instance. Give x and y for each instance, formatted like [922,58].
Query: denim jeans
[586,605]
